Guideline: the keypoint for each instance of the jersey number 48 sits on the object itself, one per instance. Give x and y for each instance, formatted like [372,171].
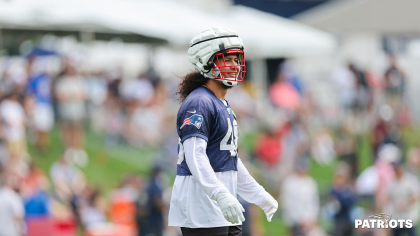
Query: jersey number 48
[224,145]
[233,146]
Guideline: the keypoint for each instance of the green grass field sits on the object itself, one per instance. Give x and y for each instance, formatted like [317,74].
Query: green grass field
[108,165]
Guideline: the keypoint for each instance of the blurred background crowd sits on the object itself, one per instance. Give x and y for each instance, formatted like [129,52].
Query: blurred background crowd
[88,142]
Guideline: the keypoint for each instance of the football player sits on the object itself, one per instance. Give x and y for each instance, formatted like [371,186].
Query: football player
[209,171]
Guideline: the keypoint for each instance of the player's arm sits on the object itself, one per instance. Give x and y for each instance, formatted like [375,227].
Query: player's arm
[254,193]
[199,165]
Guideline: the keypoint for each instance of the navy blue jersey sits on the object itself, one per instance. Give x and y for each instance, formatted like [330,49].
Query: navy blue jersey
[203,115]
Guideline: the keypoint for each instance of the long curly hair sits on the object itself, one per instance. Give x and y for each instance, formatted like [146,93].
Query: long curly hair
[189,83]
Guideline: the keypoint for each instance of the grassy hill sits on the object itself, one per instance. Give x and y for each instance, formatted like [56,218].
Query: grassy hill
[108,164]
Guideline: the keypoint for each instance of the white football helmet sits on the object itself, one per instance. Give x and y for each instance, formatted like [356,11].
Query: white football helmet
[208,50]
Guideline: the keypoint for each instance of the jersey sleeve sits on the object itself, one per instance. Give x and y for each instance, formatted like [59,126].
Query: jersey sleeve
[199,165]
[195,120]
[247,187]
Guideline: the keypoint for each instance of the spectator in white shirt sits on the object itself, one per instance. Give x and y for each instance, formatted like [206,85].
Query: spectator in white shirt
[71,94]
[402,199]
[11,208]
[13,115]
[67,179]
[69,183]
[300,200]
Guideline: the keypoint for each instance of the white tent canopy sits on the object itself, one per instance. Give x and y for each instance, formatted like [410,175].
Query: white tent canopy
[264,35]
[378,16]
[270,35]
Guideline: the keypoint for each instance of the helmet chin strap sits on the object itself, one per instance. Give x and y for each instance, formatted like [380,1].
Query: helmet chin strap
[225,82]
[230,83]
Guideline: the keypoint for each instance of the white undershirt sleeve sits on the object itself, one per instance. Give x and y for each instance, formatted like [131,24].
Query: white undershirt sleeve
[199,165]
[248,188]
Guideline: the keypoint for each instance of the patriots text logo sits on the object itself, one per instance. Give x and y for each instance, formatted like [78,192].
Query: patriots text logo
[195,120]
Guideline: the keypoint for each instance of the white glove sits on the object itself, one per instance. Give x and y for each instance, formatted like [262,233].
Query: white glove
[269,205]
[231,208]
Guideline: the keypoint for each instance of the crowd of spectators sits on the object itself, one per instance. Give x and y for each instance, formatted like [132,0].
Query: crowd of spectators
[371,110]
[40,92]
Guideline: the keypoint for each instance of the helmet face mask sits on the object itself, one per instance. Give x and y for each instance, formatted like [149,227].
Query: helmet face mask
[211,53]
[225,65]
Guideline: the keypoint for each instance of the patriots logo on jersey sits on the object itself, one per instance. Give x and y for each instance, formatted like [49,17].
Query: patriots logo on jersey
[195,120]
